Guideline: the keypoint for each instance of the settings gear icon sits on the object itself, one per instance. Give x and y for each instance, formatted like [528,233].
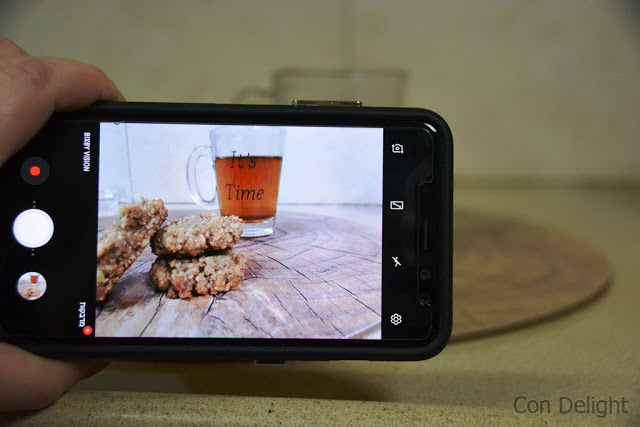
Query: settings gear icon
[396,319]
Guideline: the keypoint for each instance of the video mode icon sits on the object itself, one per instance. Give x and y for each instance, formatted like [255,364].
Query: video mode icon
[34,170]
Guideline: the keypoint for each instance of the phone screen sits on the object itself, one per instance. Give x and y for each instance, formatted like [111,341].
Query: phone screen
[312,198]
[190,231]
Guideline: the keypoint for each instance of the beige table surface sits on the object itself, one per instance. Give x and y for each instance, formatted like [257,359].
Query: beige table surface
[589,354]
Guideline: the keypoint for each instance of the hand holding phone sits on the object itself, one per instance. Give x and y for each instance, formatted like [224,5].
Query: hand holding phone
[30,89]
[56,190]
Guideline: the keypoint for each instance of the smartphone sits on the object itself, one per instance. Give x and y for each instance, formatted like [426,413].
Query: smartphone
[194,232]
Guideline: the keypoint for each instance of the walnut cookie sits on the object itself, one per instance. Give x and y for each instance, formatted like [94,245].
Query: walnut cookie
[188,277]
[195,235]
[124,242]
[195,256]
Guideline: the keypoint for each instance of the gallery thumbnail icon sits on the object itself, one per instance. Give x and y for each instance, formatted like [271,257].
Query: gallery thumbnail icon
[32,285]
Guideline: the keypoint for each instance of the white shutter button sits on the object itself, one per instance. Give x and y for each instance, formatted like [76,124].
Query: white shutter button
[33,228]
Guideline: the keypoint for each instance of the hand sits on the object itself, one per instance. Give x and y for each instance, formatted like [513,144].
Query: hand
[31,89]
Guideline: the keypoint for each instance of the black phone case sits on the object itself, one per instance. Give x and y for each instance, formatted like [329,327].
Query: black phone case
[283,115]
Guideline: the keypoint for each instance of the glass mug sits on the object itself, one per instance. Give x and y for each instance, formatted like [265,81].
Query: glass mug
[374,87]
[247,161]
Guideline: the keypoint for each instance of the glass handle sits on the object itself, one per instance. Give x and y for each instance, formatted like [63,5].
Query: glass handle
[254,95]
[192,179]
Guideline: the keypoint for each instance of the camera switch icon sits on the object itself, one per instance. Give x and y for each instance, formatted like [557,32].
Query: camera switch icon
[397,149]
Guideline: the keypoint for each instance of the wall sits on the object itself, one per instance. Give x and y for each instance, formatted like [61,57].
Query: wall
[545,90]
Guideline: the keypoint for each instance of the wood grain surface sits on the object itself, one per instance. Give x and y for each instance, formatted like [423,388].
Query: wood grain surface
[315,277]
[509,273]
[319,276]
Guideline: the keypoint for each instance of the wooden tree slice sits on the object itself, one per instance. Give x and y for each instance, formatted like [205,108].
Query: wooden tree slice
[315,277]
[508,273]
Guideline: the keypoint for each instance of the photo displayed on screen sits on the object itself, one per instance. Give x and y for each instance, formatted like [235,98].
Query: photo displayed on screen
[212,231]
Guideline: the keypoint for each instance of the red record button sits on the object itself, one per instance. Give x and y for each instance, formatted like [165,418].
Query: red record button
[35,170]
[87,330]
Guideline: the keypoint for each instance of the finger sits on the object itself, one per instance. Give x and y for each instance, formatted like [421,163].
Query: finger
[31,89]
[88,368]
[9,48]
[28,381]
[75,85]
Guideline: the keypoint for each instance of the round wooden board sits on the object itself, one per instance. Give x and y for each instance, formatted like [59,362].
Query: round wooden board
[507,273]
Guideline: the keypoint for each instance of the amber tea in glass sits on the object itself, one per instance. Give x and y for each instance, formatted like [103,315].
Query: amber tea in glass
[247,161]
[249,191]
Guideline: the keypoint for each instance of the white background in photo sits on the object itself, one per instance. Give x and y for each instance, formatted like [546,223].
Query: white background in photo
[321,165]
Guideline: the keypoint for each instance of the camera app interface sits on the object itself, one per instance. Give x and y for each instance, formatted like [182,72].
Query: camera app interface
[237,232]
